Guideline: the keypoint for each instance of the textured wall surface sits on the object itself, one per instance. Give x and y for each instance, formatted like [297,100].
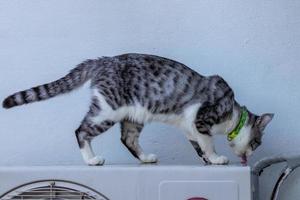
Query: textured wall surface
[254,45]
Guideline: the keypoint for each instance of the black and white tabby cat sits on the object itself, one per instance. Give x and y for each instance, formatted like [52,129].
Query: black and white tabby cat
[135,89]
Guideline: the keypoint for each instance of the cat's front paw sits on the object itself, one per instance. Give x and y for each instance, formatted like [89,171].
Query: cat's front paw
[149,158]
[218,160]
[97,160]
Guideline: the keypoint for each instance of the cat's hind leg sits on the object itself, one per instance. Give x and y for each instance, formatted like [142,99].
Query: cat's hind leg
[85,133]
[130,132]
[94,124]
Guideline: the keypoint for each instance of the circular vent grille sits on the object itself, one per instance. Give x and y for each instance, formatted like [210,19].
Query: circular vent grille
[53,190]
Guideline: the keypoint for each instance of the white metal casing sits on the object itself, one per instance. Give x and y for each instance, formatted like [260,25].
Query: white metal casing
[141,182]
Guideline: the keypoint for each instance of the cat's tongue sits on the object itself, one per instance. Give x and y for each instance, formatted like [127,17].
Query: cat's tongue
[244,160]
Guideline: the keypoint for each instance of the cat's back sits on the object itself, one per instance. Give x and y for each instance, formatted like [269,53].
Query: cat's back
[161,76]
[161,85]
[166,76]
[153,64]
[148,73]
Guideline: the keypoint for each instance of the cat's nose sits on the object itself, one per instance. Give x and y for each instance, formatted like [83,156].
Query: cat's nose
[240,154]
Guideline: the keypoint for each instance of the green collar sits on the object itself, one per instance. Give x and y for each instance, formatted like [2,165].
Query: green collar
[236,130]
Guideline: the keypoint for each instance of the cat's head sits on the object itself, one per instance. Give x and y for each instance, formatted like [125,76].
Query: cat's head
[250,136]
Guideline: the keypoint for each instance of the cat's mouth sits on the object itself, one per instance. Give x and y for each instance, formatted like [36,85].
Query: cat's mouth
[244,160]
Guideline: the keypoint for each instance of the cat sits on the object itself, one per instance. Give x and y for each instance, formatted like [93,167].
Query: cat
[135,89]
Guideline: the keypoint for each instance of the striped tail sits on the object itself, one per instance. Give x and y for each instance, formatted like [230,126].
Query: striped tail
[77,77]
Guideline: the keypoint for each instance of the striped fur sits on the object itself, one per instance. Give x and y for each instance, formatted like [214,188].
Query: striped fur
[69,82]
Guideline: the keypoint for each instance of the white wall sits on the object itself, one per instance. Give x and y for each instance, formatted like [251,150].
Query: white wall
[254,45]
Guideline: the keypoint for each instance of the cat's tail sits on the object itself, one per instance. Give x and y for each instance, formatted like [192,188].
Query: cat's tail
[77,77]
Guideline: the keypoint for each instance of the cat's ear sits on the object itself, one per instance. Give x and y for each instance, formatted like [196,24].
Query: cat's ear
[263,121]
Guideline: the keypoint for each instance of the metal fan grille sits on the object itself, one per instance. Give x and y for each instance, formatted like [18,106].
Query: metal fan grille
[53,190]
